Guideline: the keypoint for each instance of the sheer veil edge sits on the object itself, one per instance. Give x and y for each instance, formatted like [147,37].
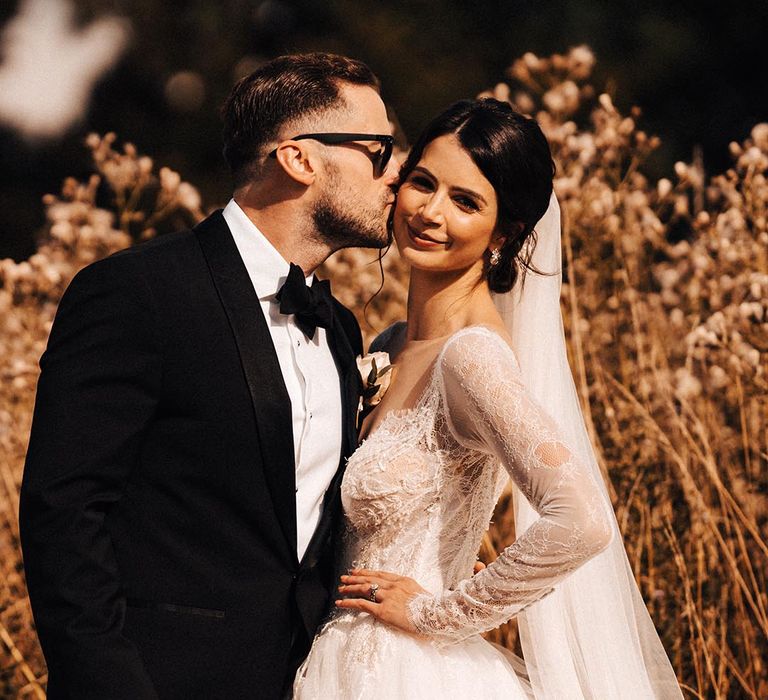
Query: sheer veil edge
[592,637]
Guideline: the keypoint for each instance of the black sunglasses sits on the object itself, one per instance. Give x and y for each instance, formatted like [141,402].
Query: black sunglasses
[380,158]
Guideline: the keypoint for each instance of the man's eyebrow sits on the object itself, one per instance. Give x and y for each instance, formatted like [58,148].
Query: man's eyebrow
[463,190]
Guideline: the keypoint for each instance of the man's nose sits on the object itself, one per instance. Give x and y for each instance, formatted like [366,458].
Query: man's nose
[392,171]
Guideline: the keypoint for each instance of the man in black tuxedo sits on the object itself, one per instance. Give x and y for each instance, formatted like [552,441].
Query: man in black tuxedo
[194,415]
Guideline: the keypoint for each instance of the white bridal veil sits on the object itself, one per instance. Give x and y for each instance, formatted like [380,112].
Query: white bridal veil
[592,638]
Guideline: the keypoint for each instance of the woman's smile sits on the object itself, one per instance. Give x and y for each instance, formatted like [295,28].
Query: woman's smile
[446,210]
[424,240]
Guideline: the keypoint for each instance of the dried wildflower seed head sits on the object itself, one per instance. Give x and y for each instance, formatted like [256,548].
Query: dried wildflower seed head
[580,62]
[759,136]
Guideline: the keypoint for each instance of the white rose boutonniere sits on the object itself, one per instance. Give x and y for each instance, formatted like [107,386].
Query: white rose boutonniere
[376,373]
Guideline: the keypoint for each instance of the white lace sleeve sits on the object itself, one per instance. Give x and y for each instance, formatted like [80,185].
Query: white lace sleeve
[489,410]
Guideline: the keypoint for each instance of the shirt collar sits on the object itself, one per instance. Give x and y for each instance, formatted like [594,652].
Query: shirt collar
[267,269]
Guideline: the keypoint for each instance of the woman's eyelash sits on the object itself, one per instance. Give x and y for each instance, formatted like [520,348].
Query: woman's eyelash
[467,203]
[461,200]
[420,181]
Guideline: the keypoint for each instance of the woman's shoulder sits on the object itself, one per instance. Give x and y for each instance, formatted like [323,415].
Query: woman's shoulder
[390,340]
[479,346]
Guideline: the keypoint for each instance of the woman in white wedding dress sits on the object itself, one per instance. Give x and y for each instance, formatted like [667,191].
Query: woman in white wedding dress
[481,393]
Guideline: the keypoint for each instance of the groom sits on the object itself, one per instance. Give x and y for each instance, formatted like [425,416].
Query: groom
[195,409]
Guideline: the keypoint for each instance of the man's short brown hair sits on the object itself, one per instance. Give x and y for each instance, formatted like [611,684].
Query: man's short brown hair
[284,89]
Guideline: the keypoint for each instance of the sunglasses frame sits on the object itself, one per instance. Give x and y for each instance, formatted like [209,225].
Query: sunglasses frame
[380,160]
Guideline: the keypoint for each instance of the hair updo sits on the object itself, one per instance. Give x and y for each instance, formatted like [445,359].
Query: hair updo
[513,154]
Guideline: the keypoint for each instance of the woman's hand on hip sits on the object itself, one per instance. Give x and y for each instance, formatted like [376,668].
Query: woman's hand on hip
[381,594]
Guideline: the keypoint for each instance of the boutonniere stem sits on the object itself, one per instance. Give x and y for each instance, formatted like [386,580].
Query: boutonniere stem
[375,372]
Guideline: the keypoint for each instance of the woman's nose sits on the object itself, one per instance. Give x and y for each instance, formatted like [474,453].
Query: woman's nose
[431,210]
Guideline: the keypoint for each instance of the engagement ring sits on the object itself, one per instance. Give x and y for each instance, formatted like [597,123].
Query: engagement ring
[372,595]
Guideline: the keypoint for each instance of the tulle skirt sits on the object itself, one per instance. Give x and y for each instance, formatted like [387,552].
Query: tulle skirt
[356,657]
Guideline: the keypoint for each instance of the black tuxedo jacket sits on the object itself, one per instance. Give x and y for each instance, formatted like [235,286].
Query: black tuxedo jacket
[158,512]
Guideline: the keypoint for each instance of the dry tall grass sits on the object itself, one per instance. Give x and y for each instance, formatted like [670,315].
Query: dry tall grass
[666,306]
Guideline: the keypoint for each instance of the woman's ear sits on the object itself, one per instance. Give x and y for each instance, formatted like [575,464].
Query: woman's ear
[497,241]
[499,237]
[297,161]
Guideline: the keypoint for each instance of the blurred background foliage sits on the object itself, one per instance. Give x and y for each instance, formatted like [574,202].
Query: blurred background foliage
[666,246]
[696,69]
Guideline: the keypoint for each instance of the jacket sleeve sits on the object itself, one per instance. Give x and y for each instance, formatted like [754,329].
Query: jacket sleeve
[491,411]
[97,392]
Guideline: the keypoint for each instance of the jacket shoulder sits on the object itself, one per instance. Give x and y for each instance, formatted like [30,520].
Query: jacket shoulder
[165,254]
[164,245]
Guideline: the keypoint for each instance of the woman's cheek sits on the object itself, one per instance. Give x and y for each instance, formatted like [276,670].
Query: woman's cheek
[407,200]
[399,228]
[406,205]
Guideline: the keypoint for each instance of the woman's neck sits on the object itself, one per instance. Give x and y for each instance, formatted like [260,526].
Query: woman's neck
[440,304]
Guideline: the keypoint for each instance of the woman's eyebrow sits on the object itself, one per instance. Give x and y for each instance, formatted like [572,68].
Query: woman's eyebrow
[463,190]
[424,170]
[471,193]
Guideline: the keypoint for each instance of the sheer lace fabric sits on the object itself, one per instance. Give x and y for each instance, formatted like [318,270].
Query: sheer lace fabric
[418,496]
[491,414]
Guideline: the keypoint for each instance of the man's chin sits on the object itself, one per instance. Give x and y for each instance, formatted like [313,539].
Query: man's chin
[370,238]
[382,240]
[341,230]
[375,242]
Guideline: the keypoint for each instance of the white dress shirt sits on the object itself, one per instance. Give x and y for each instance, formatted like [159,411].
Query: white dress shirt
[309,373]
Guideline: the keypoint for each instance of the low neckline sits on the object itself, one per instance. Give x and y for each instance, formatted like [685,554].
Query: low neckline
[407,410]
[431,371]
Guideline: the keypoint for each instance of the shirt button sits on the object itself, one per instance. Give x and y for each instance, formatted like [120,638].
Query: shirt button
[298,343]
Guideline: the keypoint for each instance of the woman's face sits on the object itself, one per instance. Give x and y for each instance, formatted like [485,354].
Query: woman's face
[445,216]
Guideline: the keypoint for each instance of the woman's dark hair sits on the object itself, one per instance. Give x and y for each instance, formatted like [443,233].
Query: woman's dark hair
[284,89]
[513,154]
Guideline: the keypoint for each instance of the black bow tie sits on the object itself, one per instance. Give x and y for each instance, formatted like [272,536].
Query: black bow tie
[312,306]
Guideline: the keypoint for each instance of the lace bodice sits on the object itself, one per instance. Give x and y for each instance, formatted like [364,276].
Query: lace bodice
[420,491]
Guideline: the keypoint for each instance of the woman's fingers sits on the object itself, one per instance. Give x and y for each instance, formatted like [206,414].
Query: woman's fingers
[359,604]
[367,581]
[361,589]
[391,599]
[384,575]
[361,579]
[479,566]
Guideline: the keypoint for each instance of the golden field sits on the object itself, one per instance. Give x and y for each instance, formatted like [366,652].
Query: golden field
[666,307]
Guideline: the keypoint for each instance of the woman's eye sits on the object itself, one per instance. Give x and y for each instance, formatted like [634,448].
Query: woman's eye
[420,182]
[466,203]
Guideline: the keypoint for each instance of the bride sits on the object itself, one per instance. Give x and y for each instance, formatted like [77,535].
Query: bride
[482,392]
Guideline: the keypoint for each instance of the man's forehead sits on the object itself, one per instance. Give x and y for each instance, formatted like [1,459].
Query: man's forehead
[363,103]
[360,109]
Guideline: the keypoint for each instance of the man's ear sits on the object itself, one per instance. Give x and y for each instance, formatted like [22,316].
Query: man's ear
[296,161]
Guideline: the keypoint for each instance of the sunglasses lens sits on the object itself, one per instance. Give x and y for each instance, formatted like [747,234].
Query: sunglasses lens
[382,158]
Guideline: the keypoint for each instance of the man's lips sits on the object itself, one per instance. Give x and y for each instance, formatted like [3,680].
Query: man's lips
[423,240]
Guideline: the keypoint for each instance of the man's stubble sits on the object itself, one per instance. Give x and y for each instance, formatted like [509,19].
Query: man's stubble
[342,222]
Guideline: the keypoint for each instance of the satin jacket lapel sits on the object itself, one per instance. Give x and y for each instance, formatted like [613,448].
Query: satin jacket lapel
[271,403]
[347,366]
